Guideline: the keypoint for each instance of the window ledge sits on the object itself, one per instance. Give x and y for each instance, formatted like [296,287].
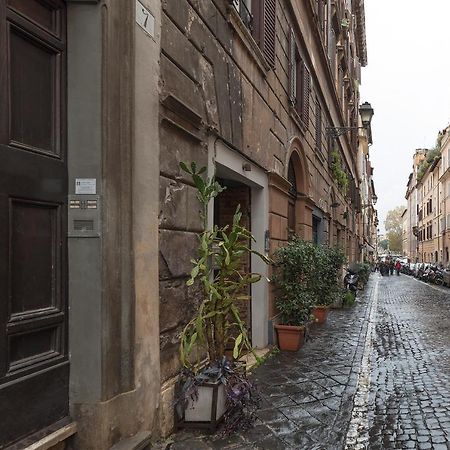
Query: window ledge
[297,119]
[247,39]
[319,155]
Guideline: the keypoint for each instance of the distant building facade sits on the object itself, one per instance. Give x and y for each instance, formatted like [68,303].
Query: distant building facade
[427,216]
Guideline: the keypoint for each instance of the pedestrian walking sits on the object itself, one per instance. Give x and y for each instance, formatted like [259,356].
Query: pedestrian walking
[398,266]
[391,267]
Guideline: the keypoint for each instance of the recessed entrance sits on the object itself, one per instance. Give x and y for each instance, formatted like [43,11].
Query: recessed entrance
[224,208]
[249,188]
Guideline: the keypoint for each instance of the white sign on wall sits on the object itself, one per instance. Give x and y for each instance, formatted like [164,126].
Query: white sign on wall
[145,19]
[85,186]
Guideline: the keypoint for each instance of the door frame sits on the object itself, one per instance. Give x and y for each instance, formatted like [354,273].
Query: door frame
[223,157]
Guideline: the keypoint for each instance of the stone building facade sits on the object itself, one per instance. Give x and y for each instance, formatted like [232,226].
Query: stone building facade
[428,205]
[369,217]
[411,208]
[248,89]
[118,93]
[444,197]
[430,246]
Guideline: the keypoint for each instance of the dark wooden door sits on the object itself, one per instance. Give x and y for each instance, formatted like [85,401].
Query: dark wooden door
[224,208]
[34,367]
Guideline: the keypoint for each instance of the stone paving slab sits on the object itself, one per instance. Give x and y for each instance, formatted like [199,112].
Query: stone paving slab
[376,376]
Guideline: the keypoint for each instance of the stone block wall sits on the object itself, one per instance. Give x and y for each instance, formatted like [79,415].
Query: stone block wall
[215,84]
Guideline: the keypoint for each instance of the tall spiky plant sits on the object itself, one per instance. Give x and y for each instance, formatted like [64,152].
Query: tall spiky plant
[219,269]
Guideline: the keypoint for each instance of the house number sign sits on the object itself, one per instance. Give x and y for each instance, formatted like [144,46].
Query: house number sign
[145,19]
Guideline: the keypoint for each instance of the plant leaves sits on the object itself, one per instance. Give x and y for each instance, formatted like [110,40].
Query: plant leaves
[185,167]
[237,342]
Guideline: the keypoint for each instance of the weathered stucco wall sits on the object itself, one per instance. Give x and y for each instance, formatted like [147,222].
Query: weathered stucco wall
[115,382]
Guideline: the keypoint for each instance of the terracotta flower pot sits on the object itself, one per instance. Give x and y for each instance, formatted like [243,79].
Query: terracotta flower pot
[290,337]
[320,313]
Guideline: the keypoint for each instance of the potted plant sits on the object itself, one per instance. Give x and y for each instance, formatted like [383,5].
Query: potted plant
[212,384]
[326,282]
[293,272]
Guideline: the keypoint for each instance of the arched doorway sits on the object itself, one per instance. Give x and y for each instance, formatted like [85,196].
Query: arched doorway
[292,199]
[299,205]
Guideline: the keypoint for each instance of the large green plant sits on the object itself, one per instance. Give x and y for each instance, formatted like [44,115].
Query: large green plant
[338,172]
[328,269]
[293,265]
[219,270]
[305,275]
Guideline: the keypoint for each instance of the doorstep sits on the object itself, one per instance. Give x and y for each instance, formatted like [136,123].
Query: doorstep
[140,441]
[54,439]
[250,360]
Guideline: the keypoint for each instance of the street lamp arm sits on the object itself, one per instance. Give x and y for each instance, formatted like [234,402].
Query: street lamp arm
[339,131]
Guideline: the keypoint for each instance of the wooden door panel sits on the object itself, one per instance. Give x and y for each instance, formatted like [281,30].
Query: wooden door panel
[28,346]
[22,401]
[31,176]
[34,256]
[34,94]
[40,12]
[34,366]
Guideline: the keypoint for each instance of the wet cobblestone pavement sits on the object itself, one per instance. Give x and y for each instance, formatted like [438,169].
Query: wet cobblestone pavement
[376,376]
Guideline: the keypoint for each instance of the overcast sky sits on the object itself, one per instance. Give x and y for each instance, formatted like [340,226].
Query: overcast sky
[407,81]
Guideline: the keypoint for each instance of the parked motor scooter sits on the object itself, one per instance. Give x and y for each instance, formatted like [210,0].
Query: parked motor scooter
[435,275]
[438,277]
[420,271]
[426,274]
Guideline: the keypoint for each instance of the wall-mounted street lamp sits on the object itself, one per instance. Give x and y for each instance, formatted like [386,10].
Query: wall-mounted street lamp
[374,201]
[365,111]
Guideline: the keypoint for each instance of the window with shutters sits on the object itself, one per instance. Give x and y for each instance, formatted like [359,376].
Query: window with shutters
[332,52]
[244,8]
[259,16]
[299,81]
[318,126]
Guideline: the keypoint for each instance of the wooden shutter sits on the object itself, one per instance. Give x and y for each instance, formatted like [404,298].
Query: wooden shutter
[299,71]
[269,31]
[306,86]
[264,28]
[318,126]
[257,22]
[292,68]
[332,52]
[299,81]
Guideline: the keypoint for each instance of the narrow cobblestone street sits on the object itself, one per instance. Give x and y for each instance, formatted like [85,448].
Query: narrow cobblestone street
[376,376]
